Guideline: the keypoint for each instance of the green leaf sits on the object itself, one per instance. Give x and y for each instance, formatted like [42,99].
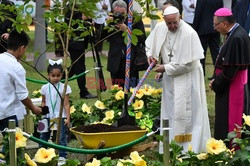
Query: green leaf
[231,135]
[137,32]
[73,162]
[134,39]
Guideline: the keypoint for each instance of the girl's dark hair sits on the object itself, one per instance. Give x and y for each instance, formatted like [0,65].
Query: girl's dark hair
[55,66]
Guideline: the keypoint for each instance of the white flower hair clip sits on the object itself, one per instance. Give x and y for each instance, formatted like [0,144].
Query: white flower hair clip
[58,62]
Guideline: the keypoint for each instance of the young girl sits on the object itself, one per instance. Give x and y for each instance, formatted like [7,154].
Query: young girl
[51,98]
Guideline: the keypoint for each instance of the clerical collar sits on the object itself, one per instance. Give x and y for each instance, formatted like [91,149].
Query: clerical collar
[231,29]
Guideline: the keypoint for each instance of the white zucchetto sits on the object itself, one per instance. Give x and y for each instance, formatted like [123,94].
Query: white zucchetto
[170,10]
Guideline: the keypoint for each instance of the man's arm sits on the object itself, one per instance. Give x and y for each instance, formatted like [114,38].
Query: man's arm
[28,103]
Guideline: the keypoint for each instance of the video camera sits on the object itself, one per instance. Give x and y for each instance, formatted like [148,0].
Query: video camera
[118,18]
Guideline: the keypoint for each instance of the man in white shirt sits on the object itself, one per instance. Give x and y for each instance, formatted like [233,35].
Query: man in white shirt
[188,11]
[13,83]
[101,15]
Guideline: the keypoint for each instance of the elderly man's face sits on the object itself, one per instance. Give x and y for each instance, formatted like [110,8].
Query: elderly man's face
[120,10]
[172,22]
[219,26]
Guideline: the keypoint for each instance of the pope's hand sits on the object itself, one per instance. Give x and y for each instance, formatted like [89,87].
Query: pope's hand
[151,59]
[158,77]
[159,68]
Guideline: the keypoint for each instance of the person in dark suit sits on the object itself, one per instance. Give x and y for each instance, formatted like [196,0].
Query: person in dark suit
[241,12]
[233,4]
[76,49]
[117,46]
[5,24]
[203,24]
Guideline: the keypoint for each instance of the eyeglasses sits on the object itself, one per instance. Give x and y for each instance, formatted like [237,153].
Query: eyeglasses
[217,24]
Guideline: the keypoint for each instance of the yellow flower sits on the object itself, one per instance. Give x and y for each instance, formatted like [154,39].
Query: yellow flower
[100,105]
[190,148]
[202,156]
[2,156]
[29,161]
[136,159]
[156,91]
[34,92]
[139,93]
[44,155]
[106,121]
[135,156]
[215,146]
[148,90]
[20,140]
[37,93]
[72,109]
[140,163]
[119,95]
[94,163]
[138,104]
[109,114]
[119,163]
[138,115]
[86,109]
[160,90]
[246,119]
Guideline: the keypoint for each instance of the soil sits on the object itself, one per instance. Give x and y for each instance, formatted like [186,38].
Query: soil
[96,128]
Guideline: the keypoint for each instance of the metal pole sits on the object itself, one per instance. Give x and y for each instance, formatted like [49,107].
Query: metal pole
[165,131]
[12,143]
[40,37]
[97,77]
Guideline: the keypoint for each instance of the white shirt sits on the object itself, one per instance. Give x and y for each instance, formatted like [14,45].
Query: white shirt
[101,15]
[188,13]
[13,85]
[52,98]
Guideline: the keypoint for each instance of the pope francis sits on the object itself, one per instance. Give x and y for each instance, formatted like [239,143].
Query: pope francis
[177,46]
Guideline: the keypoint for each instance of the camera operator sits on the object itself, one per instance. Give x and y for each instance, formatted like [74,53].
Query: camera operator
[117,46]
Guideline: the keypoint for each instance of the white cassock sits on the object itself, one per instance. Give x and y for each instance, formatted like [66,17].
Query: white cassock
[183,98]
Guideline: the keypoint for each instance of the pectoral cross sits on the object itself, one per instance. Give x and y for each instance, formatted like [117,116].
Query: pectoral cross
[170,56]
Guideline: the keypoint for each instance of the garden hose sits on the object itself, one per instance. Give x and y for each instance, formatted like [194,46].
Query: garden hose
[70,79]
[88,151]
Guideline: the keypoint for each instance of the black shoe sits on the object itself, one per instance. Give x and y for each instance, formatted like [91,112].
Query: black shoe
[88,96]
[210,78]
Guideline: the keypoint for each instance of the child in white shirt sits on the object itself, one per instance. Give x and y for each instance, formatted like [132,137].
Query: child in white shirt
[52,99]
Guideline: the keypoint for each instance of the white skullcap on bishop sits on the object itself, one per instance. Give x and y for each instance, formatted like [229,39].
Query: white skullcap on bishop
[170,10]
